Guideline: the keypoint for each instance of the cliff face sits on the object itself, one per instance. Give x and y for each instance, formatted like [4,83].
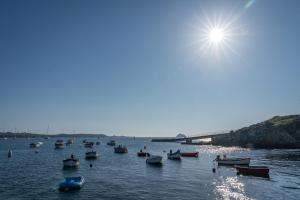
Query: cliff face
[278,132]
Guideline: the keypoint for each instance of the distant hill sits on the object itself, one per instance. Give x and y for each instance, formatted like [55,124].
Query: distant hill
[277,132]
[25,135]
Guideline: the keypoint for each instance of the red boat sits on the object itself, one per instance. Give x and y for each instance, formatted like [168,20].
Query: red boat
[253,170]
[189,154]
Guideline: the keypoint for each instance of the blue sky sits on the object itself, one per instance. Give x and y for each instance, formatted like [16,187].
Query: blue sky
[134,67]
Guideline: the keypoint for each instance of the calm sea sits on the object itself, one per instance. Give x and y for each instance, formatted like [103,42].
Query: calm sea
[30,175]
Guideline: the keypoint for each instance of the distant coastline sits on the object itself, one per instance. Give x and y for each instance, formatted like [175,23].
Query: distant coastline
[33,135]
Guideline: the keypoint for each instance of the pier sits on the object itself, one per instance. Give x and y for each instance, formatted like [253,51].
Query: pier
[187,139]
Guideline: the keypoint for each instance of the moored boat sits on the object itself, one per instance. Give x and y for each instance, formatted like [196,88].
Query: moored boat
[121,149]
[252,170]
[154,159]
[98,143]
[71,162]
[141,153]
[91,155]
[70,141]
[71,183]
[232,161]
[89,144]
[189,154]
[59,144]
[111,143]
[174,156]
[34,145]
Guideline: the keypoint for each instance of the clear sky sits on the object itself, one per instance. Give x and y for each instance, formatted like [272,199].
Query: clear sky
[142,68]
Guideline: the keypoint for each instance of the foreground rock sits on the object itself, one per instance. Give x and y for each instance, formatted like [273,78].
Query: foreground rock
[278,132]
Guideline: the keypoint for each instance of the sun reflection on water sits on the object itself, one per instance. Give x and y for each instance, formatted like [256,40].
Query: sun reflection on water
[230,188]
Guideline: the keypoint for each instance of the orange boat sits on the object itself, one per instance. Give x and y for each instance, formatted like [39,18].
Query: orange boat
[189,154]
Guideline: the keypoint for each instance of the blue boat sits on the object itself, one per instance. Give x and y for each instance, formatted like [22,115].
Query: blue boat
[71,183]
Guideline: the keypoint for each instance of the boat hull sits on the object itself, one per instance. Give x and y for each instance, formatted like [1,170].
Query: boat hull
[71,183]
[190,154]
[59,146]
[174,156]
[91,155]
[71,163]
[142,154]
[253,170]
[154,160]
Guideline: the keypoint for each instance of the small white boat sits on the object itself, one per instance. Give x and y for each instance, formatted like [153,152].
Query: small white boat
[232,161]
[71,162]
[59,144]
[9,155]
[174,156]
[34,145]
[91,155]
[153,159]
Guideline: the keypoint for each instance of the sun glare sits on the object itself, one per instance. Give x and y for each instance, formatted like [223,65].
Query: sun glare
[216,35]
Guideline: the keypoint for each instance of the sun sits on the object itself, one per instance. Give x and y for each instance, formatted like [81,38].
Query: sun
[216,35]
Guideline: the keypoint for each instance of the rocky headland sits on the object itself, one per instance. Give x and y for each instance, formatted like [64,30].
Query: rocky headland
[277,132]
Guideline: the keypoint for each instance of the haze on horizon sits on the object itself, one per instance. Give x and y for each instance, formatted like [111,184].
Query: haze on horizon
[147,68]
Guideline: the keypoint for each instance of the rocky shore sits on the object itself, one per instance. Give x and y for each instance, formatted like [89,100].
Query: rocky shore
[277,132]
